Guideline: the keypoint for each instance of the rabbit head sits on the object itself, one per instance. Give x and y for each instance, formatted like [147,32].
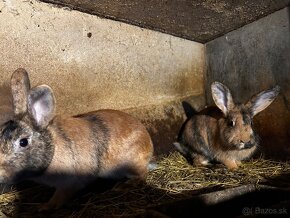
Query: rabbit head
[236,127]
[25,145]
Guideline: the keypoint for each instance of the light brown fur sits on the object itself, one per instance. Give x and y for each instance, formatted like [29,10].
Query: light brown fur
[129,143]
[20,82]
[135,140]
[224,134]
[6,108]
[129,147]
[68,152]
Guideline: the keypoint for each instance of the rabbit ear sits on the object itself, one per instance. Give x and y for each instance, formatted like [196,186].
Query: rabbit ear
[262,100]
[222,97]
[41,105]
[20,86]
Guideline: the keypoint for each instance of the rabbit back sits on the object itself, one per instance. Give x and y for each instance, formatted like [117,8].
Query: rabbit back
[105,143]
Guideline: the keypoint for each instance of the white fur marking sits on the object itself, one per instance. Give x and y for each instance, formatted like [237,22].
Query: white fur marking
[242,145]
[204,162]
[40,111]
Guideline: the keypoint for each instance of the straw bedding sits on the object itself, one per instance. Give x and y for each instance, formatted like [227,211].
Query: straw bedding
[173,179]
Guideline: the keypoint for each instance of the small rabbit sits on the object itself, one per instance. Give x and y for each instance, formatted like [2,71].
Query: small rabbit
[68,152]
[224,135]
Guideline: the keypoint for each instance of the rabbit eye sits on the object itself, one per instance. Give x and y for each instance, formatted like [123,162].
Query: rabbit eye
[23,142]
[232,123]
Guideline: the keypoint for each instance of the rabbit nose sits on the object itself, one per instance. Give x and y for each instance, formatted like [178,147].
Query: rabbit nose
[242,144]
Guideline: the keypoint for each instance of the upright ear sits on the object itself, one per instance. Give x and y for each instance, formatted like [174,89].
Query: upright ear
[41,105]
[222,97]
[20,86]
[262,100]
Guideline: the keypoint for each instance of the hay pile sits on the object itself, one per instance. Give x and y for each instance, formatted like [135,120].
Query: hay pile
[175,175]
[173,179]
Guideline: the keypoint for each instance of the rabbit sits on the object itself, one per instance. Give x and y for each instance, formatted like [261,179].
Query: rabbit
[6,113]
[68,152]
[6,110]
[224,133]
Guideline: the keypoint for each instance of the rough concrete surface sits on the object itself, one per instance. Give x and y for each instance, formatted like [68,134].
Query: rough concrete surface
[198,20]
[94,63]
[164,121]
[251,59]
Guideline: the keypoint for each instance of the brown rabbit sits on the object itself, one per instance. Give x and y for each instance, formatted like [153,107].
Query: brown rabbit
[6,110]
[68,152]
[224,135]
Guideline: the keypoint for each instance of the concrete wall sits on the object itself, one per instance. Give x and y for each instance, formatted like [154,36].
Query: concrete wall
[253,58]
[94,63]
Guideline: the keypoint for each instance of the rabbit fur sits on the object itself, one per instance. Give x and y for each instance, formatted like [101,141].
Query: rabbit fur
[224,133]
[68,152]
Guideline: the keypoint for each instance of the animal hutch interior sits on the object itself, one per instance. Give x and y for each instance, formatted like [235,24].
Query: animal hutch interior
[161,62]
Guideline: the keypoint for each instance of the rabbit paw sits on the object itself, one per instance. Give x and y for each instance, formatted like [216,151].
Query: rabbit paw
[59,198]
[231,164]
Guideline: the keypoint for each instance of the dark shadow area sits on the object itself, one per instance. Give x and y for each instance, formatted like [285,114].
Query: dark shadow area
[31,195]
[271,197]
[281,181]
[188,109]
[4,188]
[244,201]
